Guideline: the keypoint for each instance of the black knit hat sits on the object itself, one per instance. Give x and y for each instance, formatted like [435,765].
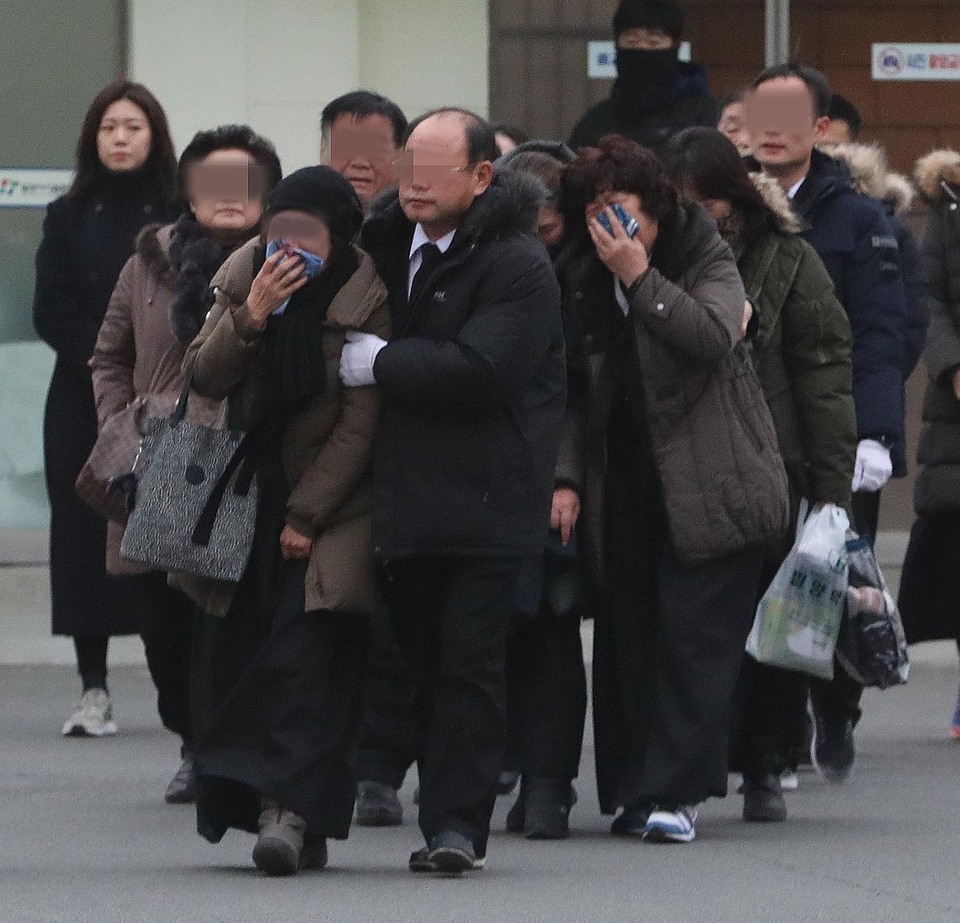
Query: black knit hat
[666,15]
[319,191]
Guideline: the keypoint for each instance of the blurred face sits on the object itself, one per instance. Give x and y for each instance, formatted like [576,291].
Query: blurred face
[124,137]
[783,127]
[226,191]
[733,124]
[838,132]
[505,143]
[300,230]
[438,184]
[644,40]
[364,151]
[632,205]
[550,225]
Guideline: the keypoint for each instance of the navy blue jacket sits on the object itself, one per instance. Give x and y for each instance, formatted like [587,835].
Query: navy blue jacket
[858,244]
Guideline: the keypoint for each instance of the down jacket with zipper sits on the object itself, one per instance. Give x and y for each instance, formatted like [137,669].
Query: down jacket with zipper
[325,447]
[473,383]
[723,480]
[801,348]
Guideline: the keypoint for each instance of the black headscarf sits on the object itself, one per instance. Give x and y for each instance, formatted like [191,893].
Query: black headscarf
[294,364]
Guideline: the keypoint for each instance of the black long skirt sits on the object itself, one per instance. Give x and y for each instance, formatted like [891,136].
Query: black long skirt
[668,645]
[277,697]
[86,600]
[930,585]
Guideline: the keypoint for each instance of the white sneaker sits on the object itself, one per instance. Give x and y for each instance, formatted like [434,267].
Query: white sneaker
[789,781]
[93,717]
[671,826]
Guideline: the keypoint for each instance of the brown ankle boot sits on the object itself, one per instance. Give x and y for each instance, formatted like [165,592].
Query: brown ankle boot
[279,847]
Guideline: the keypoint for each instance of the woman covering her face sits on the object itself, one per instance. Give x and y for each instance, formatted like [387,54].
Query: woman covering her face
[283,656]
[681,479]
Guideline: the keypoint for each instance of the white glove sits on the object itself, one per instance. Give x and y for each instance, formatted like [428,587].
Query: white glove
[874,467]
[357,358]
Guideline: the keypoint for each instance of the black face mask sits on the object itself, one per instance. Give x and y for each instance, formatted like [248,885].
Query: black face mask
[644,75]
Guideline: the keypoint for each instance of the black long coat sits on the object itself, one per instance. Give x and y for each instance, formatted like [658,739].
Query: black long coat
[85,244]
[473,385]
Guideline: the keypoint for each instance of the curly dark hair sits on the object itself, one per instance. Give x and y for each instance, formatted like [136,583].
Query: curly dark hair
[232,138]
[616,164]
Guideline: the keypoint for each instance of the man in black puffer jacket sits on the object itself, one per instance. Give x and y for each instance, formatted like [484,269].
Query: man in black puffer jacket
[473,387]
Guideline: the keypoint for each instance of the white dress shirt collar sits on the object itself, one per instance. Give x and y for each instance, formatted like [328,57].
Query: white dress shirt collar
[420,238]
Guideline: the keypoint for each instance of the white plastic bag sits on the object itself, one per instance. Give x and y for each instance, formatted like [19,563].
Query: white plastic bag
[798,618]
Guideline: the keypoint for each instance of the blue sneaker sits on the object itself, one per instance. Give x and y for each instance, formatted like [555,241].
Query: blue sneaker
[671,826]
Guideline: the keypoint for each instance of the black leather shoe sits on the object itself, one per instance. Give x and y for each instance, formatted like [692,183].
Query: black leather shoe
[453,854]
[508,782]
[547,809]
[763,800]
[183,786]
[378,805]
[517,815]
[833,750]
[631,822]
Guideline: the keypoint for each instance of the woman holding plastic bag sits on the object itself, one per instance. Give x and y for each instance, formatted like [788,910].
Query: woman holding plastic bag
[800,341]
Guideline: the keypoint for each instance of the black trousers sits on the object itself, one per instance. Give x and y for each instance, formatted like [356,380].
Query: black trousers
[546,696]
[287,730]
[838,700]
[452,616]
[668,646]
[167,618]
[386,752]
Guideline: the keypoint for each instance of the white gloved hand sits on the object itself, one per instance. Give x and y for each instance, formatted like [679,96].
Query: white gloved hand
[357,358]
[873,468]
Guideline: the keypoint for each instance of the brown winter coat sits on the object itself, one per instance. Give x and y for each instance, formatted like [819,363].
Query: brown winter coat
[326,447]
[724,484]
[137,354]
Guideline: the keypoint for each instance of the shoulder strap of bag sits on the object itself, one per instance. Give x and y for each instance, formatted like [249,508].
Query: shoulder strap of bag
[243,463]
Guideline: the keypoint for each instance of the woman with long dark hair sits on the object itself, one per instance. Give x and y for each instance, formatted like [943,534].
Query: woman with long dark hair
[158,307]
[800,343]
[683,485]
[125,179]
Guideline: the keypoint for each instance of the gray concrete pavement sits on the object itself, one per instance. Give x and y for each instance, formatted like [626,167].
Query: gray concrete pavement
[84,836]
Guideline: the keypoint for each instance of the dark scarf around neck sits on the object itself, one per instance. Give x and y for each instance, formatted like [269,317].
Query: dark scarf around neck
[295,368]
[195,258]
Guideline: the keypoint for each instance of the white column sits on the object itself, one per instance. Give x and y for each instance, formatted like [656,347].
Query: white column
[778,32]
[273,67]
[426,54]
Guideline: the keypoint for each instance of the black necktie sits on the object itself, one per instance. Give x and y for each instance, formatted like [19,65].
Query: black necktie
[430,256]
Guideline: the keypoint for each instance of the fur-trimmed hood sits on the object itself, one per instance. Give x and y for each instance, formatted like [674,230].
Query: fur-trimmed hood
[938,176]
[153,247]
[870,175]
[778,202]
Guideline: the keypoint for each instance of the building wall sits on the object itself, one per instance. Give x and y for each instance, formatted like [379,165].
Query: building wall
[214,61]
